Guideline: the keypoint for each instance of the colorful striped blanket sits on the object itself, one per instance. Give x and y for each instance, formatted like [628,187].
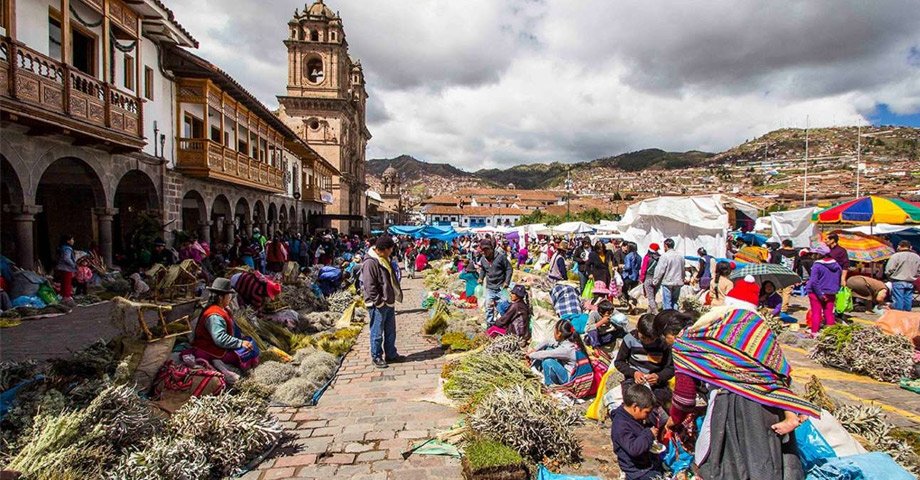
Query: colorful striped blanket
[740,353]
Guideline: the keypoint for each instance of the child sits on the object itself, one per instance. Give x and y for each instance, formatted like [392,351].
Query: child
[634,432]
[644,358]
[601,328]
[515,320]
[770,298]
[822,287]
[557,359]
[83,276]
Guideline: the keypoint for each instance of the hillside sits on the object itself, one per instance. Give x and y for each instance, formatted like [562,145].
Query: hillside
[622,172]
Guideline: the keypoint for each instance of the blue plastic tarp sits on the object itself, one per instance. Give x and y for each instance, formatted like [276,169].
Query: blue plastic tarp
[866,466]
[751,238]
[445,233]
[544,474]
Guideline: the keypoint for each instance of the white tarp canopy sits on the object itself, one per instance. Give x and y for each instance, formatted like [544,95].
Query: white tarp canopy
[607,227]
[794,225]
[762,224]
[880,229]
[568,228]
[692,222]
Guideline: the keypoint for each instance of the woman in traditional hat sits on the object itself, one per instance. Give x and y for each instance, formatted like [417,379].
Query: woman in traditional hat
[217,338]
[516,319]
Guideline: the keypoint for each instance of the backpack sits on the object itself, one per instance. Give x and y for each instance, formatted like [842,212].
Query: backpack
[788,262]
[652,263]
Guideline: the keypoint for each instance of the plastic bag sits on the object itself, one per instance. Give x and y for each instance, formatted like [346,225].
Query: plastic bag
[480,291]
[813,449]
[544,474]
[675,457]
[28,301]
[844,301]
[47,294]
[588,292]
[594,410]
[637,291]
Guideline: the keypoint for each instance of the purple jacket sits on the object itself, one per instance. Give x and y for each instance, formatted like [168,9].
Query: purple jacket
[825,277]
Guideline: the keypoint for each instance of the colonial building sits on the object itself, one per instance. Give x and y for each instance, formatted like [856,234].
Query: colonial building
[527,200]
[106,120]
[472,217]
[325,104]
[84,100]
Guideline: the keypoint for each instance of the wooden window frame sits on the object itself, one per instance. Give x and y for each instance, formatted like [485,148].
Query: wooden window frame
[129,67]
[148,83]
[94,57]
[193,119]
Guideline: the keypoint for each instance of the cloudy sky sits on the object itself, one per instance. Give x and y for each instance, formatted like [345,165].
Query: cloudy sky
[485,83]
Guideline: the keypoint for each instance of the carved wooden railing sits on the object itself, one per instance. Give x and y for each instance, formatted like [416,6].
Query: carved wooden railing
[200,155]
[36,79]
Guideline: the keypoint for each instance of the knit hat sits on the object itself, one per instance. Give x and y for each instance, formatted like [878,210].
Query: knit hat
[821,249]
[654,247]
[745,290]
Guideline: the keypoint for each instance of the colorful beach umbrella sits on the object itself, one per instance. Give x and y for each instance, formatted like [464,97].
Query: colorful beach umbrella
[861,247]
[780,276]
[869,210]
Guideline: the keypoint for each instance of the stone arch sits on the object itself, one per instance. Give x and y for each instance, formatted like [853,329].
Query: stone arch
[283,222]
[135,201]
[272,218]
[194,211]
[10,194]
[35,172]
[258,216]
[242,216]
[304,227]
[73,198]
[221,212]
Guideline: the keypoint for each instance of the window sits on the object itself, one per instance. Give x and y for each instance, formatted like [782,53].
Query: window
[332,36]
[84,51]
[314,72]
[129,72]
[54,38]
[215,133]
[243,143]
[192,127]
[5,16]
[148,83]
[314,36]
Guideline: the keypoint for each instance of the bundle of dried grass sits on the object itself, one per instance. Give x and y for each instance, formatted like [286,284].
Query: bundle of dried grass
[535,425]
[272,373]
[480,374]
[163,457]
[865,350]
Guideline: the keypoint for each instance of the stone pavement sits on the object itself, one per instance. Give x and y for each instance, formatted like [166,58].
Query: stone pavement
[368,417]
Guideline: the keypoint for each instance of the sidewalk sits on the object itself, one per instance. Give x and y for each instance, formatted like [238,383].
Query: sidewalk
[368,417]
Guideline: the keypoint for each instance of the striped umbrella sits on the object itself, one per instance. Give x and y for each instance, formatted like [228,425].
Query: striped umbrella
[780,276]
[871,210]
[861,247]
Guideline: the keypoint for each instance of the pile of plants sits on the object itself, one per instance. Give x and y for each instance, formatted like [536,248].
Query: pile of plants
[532,423]
[436,279]
[337,343]
[303,298]
[865,350]
[292,384]
[478,375]
[870,427]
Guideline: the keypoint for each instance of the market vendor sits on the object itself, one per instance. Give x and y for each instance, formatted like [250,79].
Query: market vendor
[217,338]
[515,320]
[873,291]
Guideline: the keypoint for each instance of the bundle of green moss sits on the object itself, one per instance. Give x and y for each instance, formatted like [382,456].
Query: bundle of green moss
[865,350]
[436,280]
[337,343]
[479,374]
[487,459]
[461,342]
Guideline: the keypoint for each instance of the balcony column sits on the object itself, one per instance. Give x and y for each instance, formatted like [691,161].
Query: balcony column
[204,231]
[24,219]
[104,218]
[228,231]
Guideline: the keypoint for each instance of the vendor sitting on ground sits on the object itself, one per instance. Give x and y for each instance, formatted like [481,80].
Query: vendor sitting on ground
[557,359]
[605,325]
[515,320]
[770,298]
[471,277]
[216,337]
[645,359]
[873,292]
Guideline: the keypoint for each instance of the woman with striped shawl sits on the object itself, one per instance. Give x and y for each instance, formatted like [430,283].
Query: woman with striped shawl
[752,411]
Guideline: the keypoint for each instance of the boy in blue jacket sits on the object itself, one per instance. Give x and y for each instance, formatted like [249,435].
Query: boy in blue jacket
[634,432]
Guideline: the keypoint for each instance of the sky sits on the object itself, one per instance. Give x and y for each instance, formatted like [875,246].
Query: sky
[496,83]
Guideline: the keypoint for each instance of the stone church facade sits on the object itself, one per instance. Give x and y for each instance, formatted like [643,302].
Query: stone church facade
[325,105]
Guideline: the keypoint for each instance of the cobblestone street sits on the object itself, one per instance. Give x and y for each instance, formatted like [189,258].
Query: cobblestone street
[368,417]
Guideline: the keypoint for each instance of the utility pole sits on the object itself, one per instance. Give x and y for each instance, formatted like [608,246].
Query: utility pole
[858,151]
[805,189]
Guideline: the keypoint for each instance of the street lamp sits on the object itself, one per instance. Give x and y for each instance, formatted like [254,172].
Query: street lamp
[568,195]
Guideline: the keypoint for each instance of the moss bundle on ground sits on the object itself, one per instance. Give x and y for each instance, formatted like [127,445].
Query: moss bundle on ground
[435,325]
[865,350]
[534,424]
[274,355]
[337,343]
[273,373]
[480,374]
[436,280]
[164,458]
[488,459]
[295,392]
[456,342]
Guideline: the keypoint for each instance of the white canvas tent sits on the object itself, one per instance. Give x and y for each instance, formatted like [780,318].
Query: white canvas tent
[794,225]
[693,222]
[568,228]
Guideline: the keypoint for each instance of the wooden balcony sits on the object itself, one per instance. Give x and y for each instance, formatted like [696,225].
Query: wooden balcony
[203,158]
[41,90]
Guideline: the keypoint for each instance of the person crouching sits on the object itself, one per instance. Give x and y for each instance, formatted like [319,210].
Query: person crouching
[557,360]
[217,338]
